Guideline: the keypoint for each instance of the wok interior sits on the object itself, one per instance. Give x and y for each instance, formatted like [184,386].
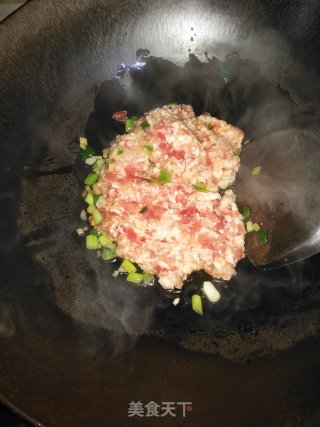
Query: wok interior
[57,85]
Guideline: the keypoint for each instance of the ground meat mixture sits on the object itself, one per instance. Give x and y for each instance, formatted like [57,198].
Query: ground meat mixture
[160,195]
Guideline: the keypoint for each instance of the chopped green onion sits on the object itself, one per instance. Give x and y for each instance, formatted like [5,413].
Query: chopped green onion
[255,226]
[201,186]
[211,292]
[83,142]
[263,236]
[134,118]
[147,277]
[197,304]
[143,210]
[92,242]
[90,161]
[246,213]
[80,231]
[87,152]
[256,170]
[105,241]
[165,176]
[91,179]
[128,125]
[100,162]
[89,199]
[83,215]
[134,277]
[172,104]
[90,209]
[96,197]
[97,217]
[249,226]
[119,152]
[237,152]
[128,266]
[209,126]
[108,254]
[145,124]
[94,232]
[149,147]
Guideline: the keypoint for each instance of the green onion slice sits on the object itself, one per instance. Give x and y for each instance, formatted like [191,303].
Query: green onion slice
[149,147]
[94,232]
[87,152]
[197,304]
[108,254]
[262,236]
[145,125]
[97,217]
[134,277]
[92,242]
[128,266]
[105,241]
[96,197]
[165,176]
[147,277]
[91,179]
[256,170]
[128,125]
[201,186]
[83,142]
[89,199]
[246,213]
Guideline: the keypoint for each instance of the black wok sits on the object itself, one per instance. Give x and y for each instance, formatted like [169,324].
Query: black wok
[76,346]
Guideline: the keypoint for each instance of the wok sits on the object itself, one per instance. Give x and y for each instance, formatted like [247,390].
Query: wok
[76,346]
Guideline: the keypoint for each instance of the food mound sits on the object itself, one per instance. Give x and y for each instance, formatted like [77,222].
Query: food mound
[164,197]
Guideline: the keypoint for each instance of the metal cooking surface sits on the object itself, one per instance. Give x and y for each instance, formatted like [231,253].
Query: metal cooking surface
[77,347]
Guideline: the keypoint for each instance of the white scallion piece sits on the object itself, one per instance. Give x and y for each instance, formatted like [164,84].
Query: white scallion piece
[83,215]
[83,142]
[176,301]
[249,226]
[256,226]
[90,160]
[211,292]
[80,231]
[101,162]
